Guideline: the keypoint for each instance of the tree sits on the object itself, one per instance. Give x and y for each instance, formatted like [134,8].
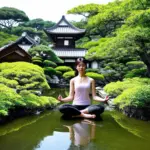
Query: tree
[38,24]
[11,16]
[6,38]
[45,53]
[132,38]
[85,10]
[101,20]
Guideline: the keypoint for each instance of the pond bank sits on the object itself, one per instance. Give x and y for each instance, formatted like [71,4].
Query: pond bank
[22,112]
[130,111]
[138,113]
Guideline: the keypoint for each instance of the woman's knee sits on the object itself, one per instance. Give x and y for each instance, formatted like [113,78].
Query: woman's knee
[63,107]
[96,109]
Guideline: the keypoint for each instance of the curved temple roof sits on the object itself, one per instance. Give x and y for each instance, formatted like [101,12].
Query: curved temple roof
[64,27]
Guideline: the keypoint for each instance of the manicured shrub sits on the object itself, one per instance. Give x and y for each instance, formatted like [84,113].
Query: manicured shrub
[49,71]
[69,74]
[8,82]
[45,52]
[37,62]
[49,63]
[37,58]
[63,69]
[95,75]
[58,73]
[138,96]
[136,73]
[116,88]
[135,65]
[32,101]
[9,99]
[92,70]
[23,75]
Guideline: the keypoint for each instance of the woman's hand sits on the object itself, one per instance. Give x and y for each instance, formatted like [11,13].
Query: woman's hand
[106,99]
[60,98]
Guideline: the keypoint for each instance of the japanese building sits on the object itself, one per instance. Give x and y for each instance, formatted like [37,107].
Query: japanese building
[63,35]
[12,53]
[18,50]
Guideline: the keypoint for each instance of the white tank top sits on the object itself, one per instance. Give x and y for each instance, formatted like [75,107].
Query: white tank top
[82,91]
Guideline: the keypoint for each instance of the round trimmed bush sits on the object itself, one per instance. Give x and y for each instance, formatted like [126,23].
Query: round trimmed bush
[49,71]
[69,74]
[95,75]
[49,63]
[22,75]
[63,69]
[116,88]
[138,96]
[136,73]
[58,73]
[92,70]
[135,64]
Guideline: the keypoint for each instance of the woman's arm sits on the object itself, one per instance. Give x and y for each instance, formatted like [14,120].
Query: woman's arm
[71,93]
[94,96]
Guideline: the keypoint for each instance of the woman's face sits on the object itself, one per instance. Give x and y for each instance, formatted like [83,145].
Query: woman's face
[81,67]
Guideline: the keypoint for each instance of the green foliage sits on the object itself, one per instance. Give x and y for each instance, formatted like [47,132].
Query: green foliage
[135,64]
[85,10]
[45,53]
[69,74]
[124,26]
[91,44]
[137,96]
[116,88]
[92,70]
[9,99]
[63,69]
[6,38]
[38,24]
[18,30]
[58,73]
[49,71]
[49,63]
[95,75]
[37,62]
[10,16]
[136,73]
[23,75]
[8,82]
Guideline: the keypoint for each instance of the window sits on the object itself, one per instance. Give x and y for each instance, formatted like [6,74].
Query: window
[66,42]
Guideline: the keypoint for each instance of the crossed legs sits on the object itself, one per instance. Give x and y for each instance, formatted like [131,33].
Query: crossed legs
[70,111]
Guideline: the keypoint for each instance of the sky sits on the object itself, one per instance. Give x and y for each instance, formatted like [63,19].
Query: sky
[49,10]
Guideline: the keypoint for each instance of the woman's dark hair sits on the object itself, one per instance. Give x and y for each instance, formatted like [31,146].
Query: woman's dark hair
[79,60]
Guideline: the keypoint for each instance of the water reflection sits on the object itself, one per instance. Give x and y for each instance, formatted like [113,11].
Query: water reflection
[82,134]
[48,131]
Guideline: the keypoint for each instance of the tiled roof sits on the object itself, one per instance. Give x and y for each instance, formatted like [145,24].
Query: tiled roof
[69,52]
[25,47]
[63,26]
[26,36]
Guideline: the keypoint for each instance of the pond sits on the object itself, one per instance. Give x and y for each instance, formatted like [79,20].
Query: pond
[48,131]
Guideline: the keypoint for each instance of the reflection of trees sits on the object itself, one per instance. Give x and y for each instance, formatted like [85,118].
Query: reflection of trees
[56,91]
[28,133]
[136,127]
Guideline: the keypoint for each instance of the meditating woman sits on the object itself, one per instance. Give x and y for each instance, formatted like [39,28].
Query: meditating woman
[80,87]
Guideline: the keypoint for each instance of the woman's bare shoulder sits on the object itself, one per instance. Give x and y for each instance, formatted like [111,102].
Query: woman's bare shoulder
[73,79]
[91,79]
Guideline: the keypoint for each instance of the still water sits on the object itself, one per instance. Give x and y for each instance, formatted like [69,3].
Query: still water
[48,131]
